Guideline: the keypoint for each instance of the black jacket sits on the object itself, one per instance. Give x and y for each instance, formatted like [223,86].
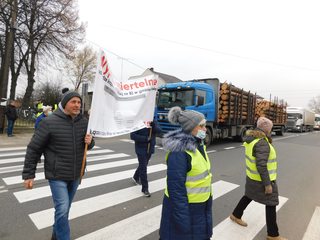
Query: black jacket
[11,112]
[144,144]
[61,139]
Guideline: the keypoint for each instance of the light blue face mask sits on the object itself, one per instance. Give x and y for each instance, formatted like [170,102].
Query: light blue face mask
[201,134]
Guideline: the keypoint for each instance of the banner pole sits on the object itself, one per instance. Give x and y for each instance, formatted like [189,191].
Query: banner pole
[83,162]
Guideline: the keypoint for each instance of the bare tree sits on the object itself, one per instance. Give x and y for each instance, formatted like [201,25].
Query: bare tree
[49,92]
[51,27]
[314,104]
[81,66]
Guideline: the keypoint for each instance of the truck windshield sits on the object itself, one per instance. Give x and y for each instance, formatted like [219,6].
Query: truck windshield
[294,116]
[317,119]
[181,98]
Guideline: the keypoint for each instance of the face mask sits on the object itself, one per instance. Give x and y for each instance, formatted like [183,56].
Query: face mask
[201,134]
[49,113]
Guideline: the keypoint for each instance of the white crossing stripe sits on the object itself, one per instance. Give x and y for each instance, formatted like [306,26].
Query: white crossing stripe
[228,148]
[12,149]
[2,187]
[254,215]
[137,227]
[41,192]
[45,218]
[127,140]
[22,148]
[40,176]
[313,230]
[21,159]
[40,166]
[2,191]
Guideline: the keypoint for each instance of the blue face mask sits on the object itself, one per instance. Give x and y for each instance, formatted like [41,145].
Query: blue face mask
[201,134]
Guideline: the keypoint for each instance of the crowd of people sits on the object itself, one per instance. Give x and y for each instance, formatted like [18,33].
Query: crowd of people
[61,137]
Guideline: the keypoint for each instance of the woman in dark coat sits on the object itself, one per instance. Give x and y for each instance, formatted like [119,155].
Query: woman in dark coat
[186,211]
[261,185]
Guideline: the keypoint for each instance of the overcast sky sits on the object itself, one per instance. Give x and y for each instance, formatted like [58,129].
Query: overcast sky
[267,47]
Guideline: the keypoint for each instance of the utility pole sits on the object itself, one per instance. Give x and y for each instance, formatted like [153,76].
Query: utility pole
[7,59]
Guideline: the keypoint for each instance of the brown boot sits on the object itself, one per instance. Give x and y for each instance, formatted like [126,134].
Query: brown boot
[276,238]
[238,220]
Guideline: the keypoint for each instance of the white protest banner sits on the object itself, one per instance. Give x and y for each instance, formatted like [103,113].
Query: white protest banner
[120,107]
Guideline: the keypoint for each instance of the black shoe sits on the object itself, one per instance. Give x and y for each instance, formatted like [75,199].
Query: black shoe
[147,193]
[136,182]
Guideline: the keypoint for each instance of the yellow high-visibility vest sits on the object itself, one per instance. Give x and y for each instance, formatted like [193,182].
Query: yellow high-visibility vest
[198,182]
[251,169]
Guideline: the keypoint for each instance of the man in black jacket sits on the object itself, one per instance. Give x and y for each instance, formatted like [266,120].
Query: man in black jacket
[12,116]
[61,137]
[145,140]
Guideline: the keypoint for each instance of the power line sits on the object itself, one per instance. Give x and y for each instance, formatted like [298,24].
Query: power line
[117,55]
[210,50]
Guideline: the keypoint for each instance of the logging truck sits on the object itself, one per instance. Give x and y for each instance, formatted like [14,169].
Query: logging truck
[229,110]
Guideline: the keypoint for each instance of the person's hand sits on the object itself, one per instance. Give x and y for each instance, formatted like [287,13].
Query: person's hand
[268,189]
[28,184]
[88,139]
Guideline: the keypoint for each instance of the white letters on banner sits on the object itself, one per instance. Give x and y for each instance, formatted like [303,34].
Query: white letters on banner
[120,107]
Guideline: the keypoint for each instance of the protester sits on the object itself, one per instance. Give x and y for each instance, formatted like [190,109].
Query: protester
[46,111]
[145,140]
[12,116]
[61,138]
[187,202]
[261,170]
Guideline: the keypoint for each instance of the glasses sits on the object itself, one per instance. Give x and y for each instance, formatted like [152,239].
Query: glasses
[202,125]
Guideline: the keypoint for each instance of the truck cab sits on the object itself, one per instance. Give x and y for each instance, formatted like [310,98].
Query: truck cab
[187,95]
[300,119]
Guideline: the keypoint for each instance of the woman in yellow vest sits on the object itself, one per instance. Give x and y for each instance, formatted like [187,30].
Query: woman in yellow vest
[261,170]
[187,202]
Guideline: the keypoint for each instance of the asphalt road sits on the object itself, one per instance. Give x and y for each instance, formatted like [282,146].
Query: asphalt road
[111,207]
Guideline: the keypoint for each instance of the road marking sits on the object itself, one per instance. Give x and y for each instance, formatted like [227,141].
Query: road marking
[41,192]
[12,149]
[21,159]
[45,218]
[127,140]
[137,226]
[227,148]
[23,148]
[211,151]
[2,187]
[90,159]
[40,175]
[313,230]
[254,215]
[2,191]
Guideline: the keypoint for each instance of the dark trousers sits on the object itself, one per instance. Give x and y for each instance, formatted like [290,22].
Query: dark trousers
[271,215]
[141,171]
[10,127]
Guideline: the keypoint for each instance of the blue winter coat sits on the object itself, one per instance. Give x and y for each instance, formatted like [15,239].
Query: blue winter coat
[141,137]
[181,220]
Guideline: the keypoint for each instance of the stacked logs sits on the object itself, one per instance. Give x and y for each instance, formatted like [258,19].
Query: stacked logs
[275,110]
[236,106]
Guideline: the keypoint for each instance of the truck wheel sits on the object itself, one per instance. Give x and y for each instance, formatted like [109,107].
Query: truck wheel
[208,138]
[281,132]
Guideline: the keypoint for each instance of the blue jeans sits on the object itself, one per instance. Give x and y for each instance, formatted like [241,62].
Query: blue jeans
[141,171]
[10,127]
[62,195]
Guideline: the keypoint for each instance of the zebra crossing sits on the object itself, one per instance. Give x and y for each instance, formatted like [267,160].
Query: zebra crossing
[136,227]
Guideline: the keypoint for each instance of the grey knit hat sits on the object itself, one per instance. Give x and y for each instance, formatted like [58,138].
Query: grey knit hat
[265,124]
[188,119]
[67,96]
